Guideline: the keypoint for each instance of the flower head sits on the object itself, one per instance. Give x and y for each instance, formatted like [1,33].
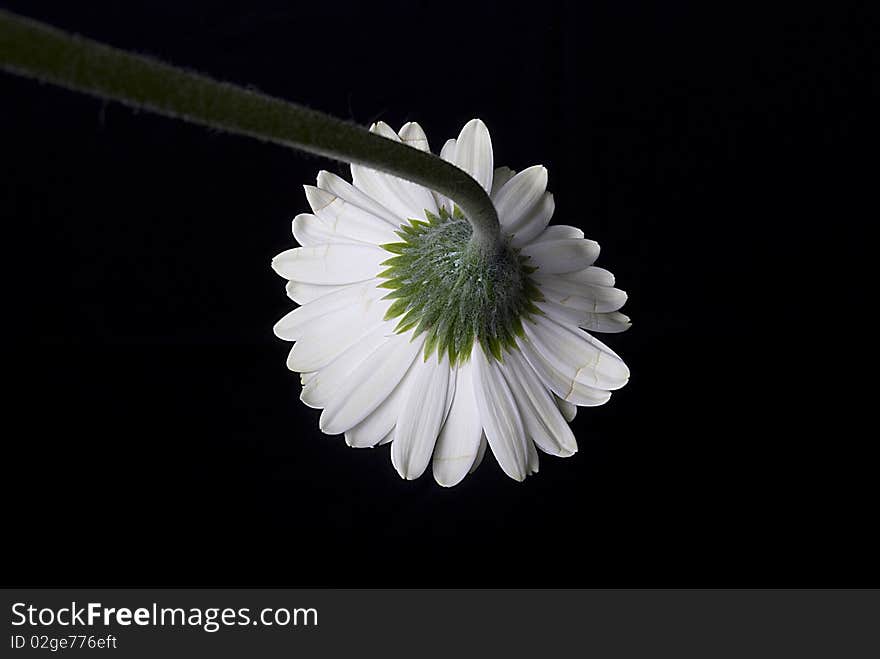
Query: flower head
[409,334]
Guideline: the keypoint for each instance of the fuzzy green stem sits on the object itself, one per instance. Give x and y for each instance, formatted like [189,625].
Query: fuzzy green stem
[40,51]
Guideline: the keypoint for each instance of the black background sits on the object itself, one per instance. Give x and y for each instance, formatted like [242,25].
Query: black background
[713,149]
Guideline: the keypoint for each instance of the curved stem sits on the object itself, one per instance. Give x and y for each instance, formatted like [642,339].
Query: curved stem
[36,50]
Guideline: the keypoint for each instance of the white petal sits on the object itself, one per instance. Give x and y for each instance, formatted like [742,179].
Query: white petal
[473,153]
[303,293]
[406,200]
[312,231]
[501,176]
[323,386]
[330,264]
[420,418]
[611,323]
[555,256]
[459,438]
[448,151]
[561,385]
[403,198]
[372,430]
[369,384]
[386,131]
[292,326]
[535,222]
[542,420]
[592,275]
[580,296]
[328,336]
[515,201]
[562,314]
[559,232]
[577,355]
[341,188]
[309,231]
[569,410]
[501,419]
[346,222]
[413,135]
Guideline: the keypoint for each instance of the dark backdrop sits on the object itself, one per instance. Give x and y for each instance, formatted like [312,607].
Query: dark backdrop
[156,438]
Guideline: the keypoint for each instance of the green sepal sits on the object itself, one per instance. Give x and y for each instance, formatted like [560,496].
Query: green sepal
[533,292]
[532,309]
[409,320]
[430,344]
[423,325]
[495,346]
[403,259]
[396,308]
[450,351]
[518,328]
[403,290]
[395,248]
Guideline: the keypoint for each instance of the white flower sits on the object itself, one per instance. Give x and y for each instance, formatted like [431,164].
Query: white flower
[406,336]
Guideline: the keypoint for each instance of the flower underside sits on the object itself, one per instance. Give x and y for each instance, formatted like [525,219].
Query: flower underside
[444,285]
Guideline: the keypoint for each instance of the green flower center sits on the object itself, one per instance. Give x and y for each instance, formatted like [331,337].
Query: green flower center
[443,285]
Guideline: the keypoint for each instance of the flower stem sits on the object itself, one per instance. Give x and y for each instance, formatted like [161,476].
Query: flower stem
[36,50]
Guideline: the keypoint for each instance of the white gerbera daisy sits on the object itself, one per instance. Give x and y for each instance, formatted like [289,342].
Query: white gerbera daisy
[407,334]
